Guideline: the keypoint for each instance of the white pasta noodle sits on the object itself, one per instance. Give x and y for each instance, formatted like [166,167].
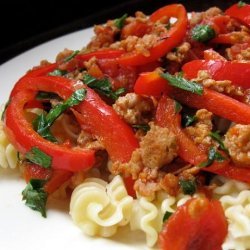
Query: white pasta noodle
[8,154]
[99,208]
[235,199]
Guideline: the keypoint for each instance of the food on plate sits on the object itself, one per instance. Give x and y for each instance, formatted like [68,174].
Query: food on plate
[146,127]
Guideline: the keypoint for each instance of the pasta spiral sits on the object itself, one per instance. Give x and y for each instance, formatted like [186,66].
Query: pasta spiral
[99,208]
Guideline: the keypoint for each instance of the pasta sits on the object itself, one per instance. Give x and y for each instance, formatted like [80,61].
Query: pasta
[99,208]
[133,127]
[235,199]
[8,154]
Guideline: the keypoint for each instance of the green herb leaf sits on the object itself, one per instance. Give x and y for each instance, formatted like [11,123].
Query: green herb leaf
[241,4]
[188,186]
[58,72]
[188,120]
[43,123]
[102,86]
[38,157]
[68,58]
[119,22]
[213,155]
[182,83]
[41,95]
[203,33]
[177,107]
[144,127]
[35,197]
[166,216]
[4,109]
[216,136]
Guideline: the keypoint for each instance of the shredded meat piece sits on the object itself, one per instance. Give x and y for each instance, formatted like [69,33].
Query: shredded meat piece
[180,53]
[134,109]
[197,17]
[86,140]
[238,144]
[158,147]
[200,131]
[224,86]
[170,183]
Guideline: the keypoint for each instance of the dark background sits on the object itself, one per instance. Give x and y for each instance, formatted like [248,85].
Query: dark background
[26,23]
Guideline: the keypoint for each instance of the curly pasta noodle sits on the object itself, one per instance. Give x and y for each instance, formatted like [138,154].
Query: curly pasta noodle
[99,208]
[235,199]
[8,154]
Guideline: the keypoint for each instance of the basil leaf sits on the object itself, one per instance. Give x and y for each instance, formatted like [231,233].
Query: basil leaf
[241,4]
[58,72]
[182,83]
[38,157]
[188,120]
[213,155]
[203,33]
[166,216]
[102,86]
[216,136]
[177,107]
[35,197]
[68,58]
[144,127]
[188,186]
[119,22]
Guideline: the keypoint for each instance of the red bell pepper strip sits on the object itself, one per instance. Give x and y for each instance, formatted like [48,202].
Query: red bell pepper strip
[237,72]
[235,37]
[211,100]
[167,41]
[216,103]
[211,54]
[100,54]
[166,117]
[197,224]
[55,177]
[149,83]
[229,170]
[41,70]
[24,138]
[240,12]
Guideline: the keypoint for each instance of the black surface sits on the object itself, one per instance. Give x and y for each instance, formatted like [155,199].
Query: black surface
[28,23]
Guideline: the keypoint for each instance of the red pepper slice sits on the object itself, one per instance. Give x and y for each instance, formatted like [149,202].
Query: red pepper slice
[198,224]
[23,137]
[56,177]
[220,70]
[166,117]
[174,36]
[240,12]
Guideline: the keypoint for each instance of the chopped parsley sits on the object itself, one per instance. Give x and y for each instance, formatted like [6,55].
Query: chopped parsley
[58,72]
[177,107]
[35,197]
[188,120]
[119,22]
[213,155]
[38,157]
[241,4]
[70,57]
[144,127]
[43,122]
[166,216]
[216,136]
[203,33]
[181,83]
[188,186]
[102,86]
[4,109]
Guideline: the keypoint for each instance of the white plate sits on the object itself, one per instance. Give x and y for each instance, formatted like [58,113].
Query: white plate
[21,227]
